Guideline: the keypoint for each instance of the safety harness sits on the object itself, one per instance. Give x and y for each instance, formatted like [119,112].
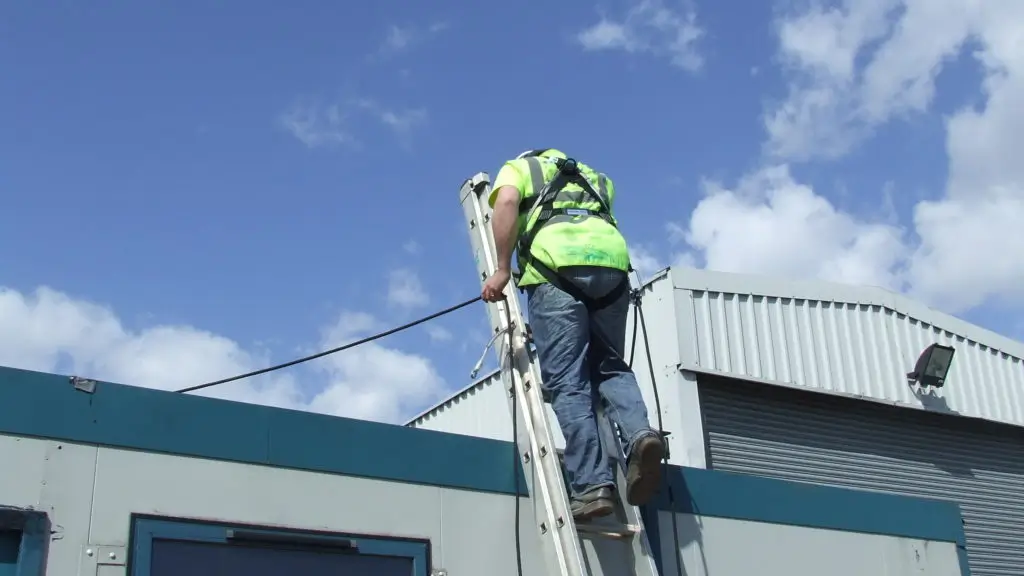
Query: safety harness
[543,200]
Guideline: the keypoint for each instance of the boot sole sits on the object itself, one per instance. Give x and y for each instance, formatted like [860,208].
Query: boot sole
[645,472]
[594,509]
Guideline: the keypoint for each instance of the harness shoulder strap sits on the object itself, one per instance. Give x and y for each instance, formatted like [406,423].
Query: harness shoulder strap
[553,191]
[547,193]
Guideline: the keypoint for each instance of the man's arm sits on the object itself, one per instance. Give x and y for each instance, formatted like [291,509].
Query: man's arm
[504,224]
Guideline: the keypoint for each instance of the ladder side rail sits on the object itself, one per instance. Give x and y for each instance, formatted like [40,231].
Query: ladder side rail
[552,515]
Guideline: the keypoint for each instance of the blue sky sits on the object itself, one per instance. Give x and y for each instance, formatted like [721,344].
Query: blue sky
[231,184]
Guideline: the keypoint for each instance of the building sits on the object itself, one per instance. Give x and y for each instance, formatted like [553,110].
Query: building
[100,479]
[807,382]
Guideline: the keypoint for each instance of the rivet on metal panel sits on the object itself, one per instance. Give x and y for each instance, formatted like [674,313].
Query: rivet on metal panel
[543,528]
[543,451]
[98,555]
[83,384]
[526,457]
[438,572]
[560,522]
[111,556]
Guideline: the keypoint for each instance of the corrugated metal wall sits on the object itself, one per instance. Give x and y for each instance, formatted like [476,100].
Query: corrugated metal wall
[852,348]
[480,409]
[809,437]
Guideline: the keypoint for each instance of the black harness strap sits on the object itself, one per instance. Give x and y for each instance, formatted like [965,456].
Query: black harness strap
[567,286]
[545,195]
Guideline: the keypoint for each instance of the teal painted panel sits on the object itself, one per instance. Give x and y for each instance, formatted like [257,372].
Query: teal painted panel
[35,539]
[745,497]
[47,406]
[374,450]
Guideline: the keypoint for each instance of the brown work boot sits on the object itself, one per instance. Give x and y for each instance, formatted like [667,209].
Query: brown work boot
[592,504]
[644,471]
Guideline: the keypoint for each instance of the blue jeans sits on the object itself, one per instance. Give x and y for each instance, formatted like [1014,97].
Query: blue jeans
[579,371]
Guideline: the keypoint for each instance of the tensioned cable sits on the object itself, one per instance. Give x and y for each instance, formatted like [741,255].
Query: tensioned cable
[332,350]
[638,313]
[515,436]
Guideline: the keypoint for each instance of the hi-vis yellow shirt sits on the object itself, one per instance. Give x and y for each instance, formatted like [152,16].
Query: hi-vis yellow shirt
[565,240]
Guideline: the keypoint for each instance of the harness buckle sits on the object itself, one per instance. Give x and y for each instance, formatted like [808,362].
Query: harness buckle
[568,166]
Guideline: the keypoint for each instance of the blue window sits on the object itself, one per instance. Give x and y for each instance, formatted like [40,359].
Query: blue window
[171,547]
[24,535]
[10,541]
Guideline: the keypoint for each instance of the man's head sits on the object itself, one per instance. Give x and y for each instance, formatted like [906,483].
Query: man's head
[548,152]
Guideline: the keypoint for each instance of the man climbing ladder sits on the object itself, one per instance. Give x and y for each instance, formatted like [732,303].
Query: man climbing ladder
[573,263]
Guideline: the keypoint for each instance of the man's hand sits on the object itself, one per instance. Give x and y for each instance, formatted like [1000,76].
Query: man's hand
[495,285]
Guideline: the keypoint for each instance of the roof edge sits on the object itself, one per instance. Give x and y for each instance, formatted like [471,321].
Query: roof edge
[476,384]
[780,287]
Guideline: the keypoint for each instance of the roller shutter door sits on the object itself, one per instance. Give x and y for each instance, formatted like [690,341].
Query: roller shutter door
[810,437]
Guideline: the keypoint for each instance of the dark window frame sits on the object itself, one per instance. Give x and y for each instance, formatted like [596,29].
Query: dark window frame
[34,527]
[145,528]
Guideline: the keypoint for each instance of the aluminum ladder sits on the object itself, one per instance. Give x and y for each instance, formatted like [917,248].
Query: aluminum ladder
[615,545]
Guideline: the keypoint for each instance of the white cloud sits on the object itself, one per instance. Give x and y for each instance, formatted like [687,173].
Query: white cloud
[400,122]
[402,38]
[405,289]
[372,379]
[412,247]
[318,125]
[322,125]
[965,252]
[649,26]
[645,261]
[771,224]
[851,69]
[403,121]
[438,334]
[398,38]
[53,332]
[833,103]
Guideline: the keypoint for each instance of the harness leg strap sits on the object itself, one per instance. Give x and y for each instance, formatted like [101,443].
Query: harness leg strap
[592,304]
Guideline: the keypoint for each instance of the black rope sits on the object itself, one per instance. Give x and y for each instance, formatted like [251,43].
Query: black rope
[515,434]
[332,350]
[632,347]
[635,299]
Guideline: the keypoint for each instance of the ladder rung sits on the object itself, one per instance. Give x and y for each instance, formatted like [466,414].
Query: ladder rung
[621,531]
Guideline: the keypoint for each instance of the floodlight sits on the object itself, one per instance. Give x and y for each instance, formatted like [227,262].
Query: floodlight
[932,366]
